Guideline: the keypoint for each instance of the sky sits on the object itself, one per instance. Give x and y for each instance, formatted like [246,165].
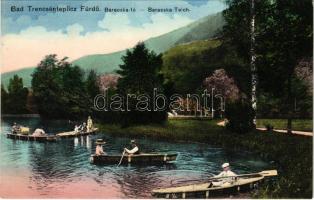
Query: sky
[27,36]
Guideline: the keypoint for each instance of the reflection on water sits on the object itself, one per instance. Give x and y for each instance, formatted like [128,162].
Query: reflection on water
[62,169]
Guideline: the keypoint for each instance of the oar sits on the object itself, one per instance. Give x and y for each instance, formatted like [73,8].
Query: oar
[263,173]
[121,158]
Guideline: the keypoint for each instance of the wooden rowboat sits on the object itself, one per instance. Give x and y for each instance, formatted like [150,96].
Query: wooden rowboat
[202,190]
[70,134]
[144,158]
[47,138]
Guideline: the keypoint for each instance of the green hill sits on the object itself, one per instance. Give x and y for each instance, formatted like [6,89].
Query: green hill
[25,73]
[204,28]
[199,58]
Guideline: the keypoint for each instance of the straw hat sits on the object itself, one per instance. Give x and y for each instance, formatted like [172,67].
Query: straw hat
[100,142]
[225,165]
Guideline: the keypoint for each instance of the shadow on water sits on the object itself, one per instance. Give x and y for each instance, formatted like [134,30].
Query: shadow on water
[54,169]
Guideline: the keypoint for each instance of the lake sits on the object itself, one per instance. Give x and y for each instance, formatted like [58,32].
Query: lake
[62,169]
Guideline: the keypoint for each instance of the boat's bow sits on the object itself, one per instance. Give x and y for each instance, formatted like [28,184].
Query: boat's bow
[241,183]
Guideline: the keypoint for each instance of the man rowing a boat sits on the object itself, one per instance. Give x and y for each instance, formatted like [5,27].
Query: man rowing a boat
[134,150]
[99,149]
[227,176]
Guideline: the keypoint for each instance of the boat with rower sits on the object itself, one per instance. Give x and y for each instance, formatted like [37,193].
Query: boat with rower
[242,183]
[70,134]
[42,138]
[142,158]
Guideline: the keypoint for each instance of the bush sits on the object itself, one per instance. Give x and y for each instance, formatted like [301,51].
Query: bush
[269,127]
[240,116]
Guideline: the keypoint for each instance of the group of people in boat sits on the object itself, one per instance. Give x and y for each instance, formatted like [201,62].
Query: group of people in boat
[85,127]
[225,177]
[16,129]
[100,142]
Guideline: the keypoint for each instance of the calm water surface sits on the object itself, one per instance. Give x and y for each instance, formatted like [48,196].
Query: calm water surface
[62,169]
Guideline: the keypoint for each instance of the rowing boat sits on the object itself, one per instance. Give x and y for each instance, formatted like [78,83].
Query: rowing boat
[70,134]
[203,190]
[45,138]
[143,158]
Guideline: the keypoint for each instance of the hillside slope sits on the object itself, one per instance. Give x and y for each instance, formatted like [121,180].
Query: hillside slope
[199,58]
[25,73]
[204,28]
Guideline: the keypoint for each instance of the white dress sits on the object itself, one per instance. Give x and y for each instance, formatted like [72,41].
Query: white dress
[99,150]
[39,132]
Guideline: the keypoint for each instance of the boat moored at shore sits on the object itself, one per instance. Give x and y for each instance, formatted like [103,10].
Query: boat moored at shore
[43,138]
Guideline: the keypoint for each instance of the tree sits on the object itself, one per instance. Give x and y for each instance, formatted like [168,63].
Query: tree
[139,72]
[75,98]
[241,25]
[303,88]
[108,81]
[4,99]
[139,75]
[16,96]
[59,89]
[283,36]
[47,87]
[252,63]
[304,72]
[286,37]
[92,84]
[223,85]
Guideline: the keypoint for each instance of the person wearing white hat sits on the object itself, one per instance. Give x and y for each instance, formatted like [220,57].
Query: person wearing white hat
[99,150]
[225,173]
[134,150]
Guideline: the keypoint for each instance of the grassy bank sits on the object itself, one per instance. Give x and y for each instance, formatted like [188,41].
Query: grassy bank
[292,154]
[297,124]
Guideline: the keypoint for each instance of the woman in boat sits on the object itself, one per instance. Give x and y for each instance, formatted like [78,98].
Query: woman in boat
[224,174]
[99,150]
[134,150]
[76,128]
[83,127]
[15,128]
[39,132]
[89,124]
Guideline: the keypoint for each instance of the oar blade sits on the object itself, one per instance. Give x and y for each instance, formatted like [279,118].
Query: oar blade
[269,173]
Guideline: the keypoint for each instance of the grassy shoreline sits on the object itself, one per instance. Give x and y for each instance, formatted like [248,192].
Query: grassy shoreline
[292,154]
[297,124]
